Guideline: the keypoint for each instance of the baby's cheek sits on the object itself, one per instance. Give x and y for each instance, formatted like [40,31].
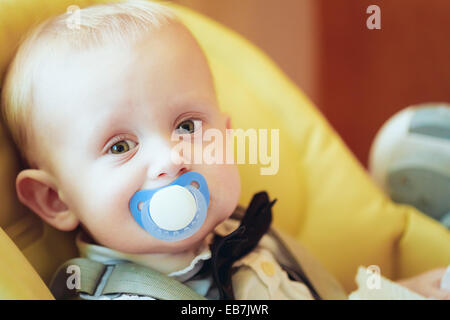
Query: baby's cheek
[229,178]
[227,189]
[110,222]
[108,200]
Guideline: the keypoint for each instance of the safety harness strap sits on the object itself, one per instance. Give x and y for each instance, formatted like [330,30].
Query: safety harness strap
[97,279]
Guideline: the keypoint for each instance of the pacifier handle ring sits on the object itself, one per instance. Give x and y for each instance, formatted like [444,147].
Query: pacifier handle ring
[191,176]
[140,196]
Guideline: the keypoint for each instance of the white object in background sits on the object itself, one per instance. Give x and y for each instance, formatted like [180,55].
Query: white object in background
[445,282]
[410,159]
[397,139]
[388,290]
[388,138]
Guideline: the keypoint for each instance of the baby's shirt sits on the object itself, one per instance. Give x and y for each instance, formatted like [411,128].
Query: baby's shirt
[184,267]
[257,275]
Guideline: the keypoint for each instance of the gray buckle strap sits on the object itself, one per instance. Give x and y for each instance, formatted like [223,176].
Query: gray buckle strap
[136,279]
[89,277]
[97,279]
[101,285]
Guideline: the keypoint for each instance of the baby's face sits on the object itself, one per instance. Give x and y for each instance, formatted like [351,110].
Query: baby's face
[104,123]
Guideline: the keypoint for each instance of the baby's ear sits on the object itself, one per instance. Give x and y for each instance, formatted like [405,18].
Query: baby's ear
[35,190]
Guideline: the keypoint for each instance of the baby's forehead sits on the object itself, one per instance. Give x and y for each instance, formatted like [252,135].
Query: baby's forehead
[78,78]
[103,79]
[73,68]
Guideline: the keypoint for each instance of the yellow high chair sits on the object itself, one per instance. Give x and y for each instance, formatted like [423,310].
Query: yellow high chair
[325,198]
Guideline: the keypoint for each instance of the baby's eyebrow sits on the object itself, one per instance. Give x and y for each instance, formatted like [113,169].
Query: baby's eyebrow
[106,127]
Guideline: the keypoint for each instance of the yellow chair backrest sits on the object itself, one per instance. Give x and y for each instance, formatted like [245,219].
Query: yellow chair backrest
[326,199]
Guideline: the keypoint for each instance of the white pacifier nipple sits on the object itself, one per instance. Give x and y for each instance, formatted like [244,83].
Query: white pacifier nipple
[173,208]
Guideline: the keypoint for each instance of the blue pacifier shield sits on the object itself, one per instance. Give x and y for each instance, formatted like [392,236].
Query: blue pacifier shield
[173,212]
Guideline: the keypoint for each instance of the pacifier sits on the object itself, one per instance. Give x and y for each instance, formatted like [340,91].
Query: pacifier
[173,212]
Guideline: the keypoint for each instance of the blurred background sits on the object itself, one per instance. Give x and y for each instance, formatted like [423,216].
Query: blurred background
[357,77]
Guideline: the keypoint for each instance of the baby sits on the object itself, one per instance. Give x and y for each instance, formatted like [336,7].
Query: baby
[96,110]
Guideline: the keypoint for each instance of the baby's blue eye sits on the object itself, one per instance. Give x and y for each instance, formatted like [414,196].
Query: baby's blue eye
[121,147]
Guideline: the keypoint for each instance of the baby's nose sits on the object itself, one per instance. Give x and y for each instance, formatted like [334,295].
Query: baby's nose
[170,170]
[167,163]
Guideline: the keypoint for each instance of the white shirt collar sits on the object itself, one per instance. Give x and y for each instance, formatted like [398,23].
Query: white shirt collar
[182,266]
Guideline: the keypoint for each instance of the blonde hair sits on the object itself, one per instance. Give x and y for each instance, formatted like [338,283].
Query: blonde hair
[118,22]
